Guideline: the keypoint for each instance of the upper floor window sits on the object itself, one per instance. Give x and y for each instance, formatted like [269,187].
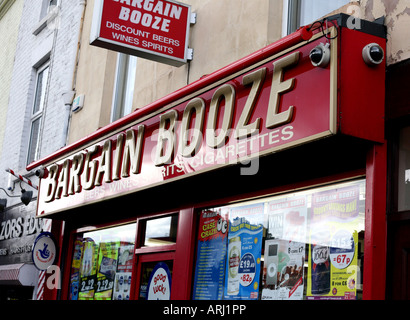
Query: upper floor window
[123,86]
[47,6]
[299,13]
[37,112]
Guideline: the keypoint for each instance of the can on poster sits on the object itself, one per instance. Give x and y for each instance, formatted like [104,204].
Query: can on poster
[243,263]
[107,266]
[319,264]
[123,276]
[211,254]
[333,270]
[88,270]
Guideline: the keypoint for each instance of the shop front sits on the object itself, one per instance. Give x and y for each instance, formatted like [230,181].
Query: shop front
[264,180]
[19,229]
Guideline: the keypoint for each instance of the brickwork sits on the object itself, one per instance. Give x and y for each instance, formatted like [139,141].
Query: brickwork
[53,38]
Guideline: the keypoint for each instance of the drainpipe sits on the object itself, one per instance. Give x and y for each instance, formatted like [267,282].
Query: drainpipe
[68,95]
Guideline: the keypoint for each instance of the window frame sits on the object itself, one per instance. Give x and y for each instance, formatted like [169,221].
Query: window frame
[124,83]
[37,115]
[47,6]
[292,15]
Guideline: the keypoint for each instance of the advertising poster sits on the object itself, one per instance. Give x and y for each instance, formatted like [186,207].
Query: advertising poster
[332,272]
[285,250]
[243,261]
[122,282]
[88,270]
[210,265]
[107,266]
[287,219]
[159,283]
[75,267]
[283,270]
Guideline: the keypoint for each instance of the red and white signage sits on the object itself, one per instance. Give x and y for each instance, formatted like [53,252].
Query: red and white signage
[153,29]
[271,101]
[159,284]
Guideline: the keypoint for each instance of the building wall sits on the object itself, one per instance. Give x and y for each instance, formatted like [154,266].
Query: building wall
[242,27]
[397,21]
[396,15]
[10,14]
[225,31]
[54,37]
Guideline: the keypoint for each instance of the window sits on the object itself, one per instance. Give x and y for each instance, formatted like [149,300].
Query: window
[102,263]
[47,6]
[37,112]
[302,12]
[160,231]
[124,86]
[305,245]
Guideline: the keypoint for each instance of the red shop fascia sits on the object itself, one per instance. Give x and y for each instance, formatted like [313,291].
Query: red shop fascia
[267,124]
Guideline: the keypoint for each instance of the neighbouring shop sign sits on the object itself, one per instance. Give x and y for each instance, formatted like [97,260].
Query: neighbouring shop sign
[18,231]
[276,102]
[154,29]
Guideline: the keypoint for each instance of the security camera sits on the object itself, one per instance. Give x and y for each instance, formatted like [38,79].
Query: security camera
[320,55]
[40,172]
[373,54]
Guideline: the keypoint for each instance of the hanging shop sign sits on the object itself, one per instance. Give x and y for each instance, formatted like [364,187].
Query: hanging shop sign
[18,231]
[278,101]
[152,29]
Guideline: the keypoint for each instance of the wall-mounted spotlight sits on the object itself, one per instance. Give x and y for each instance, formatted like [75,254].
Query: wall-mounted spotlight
[373,54]
[320,55]
[26,197]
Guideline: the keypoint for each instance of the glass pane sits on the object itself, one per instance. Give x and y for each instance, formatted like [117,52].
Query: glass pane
[311,10]
[33,143]
[161,231]
[156,280]
[102,264]
[124,86]
[40,93]
[404,170]
[299,246]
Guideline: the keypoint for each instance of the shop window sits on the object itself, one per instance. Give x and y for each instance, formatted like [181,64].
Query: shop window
[102,263]
[404,170]
[160,231]
[305,245]
[303,12]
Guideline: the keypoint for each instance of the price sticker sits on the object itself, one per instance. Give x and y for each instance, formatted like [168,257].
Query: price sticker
[342,249]
[247,269]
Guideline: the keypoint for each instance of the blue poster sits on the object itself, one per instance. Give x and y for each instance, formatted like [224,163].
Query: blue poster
[242,270]
[211,253]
